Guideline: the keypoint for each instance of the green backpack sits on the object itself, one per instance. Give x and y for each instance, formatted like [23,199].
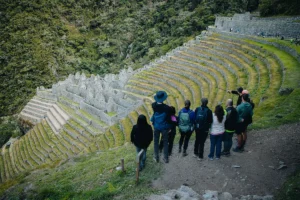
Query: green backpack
[185,123]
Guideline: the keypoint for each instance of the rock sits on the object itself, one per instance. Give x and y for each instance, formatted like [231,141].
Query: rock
[256,197]
[281,162]
[236,166]
[268,197]
[210,195]
[225,196]
[281,167]
[285,91]
[118,168]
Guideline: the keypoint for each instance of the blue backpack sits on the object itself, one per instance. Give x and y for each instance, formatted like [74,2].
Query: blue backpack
[201,118]
[159,121]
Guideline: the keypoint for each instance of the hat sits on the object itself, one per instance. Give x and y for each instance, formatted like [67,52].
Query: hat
[245,92]
[160,96]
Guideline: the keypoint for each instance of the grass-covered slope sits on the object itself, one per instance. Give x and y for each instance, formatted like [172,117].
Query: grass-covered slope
[92,176]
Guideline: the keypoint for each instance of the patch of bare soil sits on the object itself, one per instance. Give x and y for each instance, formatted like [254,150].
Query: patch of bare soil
[258,174]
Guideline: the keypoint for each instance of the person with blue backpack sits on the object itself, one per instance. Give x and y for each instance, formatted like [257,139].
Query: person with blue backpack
[174,123]
[161,121]
[203,121]
[186,126]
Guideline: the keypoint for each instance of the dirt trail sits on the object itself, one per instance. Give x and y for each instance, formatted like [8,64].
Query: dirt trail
[257,175]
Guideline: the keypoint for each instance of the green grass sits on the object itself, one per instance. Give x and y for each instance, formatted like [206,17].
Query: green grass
[111,114]
[285,43]
[91,176]
[291,188]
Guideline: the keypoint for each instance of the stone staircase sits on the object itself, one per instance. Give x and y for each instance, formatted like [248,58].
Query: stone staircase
[42,107]
[87,114]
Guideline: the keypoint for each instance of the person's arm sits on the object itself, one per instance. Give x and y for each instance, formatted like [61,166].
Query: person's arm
[239,111]
[209,117]
[196,111]
[234,92]
[192,116]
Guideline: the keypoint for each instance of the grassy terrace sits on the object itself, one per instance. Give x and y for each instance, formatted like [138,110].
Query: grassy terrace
[265,75]
[217,94]
[251,71]
[197,74]
[238,78]
[173,93]
[229,78]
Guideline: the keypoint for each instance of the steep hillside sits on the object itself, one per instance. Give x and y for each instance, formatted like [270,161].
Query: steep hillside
[43,41]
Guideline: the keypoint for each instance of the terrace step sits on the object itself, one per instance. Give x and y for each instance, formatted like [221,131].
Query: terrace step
[30,118]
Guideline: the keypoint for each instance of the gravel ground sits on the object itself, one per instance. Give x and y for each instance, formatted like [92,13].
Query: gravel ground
[258,174]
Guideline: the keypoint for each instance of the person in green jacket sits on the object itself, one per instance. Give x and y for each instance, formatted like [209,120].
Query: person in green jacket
[245,113]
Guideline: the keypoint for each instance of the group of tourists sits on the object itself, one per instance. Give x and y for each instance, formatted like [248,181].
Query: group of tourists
[220,124]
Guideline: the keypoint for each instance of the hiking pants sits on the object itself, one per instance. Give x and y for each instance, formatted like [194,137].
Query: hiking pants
[170,140]
[184,139]
[227,139]
[201,136]
[215,143]
[164,134]
[143,157]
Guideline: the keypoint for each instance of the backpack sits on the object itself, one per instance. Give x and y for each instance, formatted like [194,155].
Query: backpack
[201,118]
[231,119]
[159,121]
[185,123]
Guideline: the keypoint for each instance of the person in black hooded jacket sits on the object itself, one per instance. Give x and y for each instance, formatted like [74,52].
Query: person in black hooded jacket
[141,137]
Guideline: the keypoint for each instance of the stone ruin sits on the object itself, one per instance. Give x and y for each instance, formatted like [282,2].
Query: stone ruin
[103,97]
[249,24]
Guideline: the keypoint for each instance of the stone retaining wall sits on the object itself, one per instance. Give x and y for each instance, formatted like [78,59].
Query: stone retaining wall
[246,24]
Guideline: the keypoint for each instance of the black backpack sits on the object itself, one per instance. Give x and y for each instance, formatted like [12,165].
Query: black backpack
[231,119]
[201,118]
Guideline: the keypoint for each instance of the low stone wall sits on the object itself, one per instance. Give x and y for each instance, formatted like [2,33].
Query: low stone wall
[246,24]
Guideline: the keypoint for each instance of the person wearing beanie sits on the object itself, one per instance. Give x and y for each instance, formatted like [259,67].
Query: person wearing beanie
[245,113]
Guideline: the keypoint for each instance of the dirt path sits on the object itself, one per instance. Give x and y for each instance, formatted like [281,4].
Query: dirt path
[264,151]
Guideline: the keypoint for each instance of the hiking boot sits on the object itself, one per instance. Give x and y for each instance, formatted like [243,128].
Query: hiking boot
[165,160]
[237,149]
[200,159]
[210,158]
[184,153]
[217,158]
[195,155]
[225,153]
[179,151]
[156,160]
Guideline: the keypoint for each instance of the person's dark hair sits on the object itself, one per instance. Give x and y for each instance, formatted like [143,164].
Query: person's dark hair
[142,121]
[219,112]
[240,89]
[187,103]
[173,110]
[204,101]
[246,97]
